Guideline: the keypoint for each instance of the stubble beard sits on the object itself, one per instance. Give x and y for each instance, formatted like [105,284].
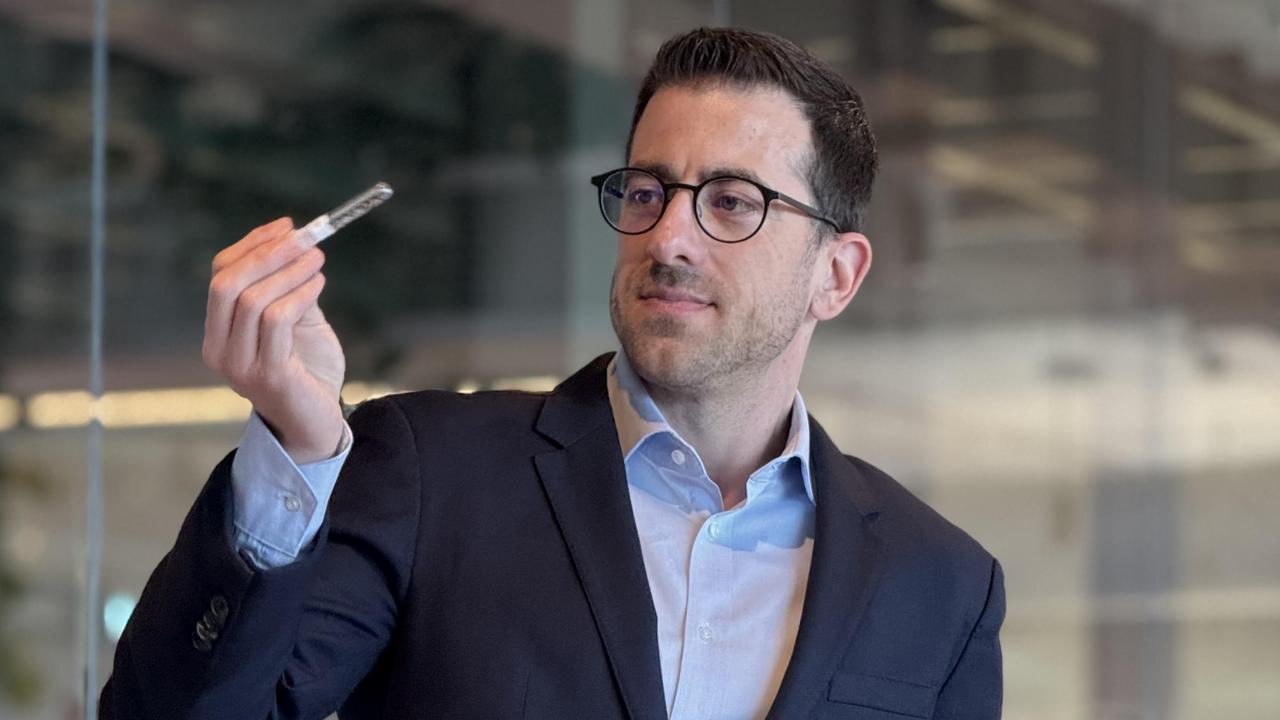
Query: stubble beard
[670,352]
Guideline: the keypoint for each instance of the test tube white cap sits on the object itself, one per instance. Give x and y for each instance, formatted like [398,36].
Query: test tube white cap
[316,230]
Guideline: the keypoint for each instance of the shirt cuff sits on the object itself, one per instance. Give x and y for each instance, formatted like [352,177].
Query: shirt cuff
[278,504]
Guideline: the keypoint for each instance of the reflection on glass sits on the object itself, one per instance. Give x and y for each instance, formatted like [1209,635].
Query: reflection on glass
[1067,342]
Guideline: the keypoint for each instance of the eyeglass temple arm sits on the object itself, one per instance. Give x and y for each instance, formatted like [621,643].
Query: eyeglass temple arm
[813,212]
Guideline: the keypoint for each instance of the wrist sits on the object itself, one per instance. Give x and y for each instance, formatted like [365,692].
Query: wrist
[328,445]
[313,441]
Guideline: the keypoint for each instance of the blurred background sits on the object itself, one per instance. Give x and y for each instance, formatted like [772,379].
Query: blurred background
[1069,343]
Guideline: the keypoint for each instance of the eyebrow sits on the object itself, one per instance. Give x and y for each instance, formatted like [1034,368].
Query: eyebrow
[668,174]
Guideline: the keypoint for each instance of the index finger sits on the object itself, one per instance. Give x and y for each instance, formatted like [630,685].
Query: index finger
[256,237]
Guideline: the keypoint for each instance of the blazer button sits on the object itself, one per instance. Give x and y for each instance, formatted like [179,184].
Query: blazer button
[218,606]
[211,621]
[204,632]
[200,643]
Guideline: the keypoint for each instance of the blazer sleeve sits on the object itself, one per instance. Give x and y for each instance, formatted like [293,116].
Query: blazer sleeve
[214,637]
[975,688]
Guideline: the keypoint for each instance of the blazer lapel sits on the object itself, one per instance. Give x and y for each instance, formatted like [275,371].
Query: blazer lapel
[848,559]
[586,485]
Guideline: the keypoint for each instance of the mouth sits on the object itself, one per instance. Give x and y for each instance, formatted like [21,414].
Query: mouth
[674,300]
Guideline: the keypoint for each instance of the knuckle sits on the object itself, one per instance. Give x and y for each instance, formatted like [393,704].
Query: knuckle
[249,302]
[275,314]
[267,229]
[221,287]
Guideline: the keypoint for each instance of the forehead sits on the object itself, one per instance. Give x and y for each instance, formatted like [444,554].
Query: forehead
[692,131]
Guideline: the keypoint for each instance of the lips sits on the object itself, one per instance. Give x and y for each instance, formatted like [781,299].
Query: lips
[673,295]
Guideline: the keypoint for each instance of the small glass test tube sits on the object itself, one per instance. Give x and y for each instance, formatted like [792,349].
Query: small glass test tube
[346,213]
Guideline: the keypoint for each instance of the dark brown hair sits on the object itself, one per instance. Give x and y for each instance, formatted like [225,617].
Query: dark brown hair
[843,163]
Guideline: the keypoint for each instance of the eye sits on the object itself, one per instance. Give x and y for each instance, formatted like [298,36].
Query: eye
[643,196]
[728,201]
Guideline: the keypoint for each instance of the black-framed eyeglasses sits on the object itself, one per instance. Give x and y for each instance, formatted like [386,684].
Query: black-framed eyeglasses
[729,209]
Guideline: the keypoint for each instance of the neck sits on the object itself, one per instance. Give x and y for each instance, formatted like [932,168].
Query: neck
[739,423]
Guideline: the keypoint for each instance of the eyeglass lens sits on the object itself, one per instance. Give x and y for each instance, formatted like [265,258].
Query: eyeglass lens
[728,209]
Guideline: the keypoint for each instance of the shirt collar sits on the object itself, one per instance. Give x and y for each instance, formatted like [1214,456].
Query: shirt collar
[637,417]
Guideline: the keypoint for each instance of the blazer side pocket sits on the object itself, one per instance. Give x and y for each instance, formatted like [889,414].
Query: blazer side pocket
[882,693]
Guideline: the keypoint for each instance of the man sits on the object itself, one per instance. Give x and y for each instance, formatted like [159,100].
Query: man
[667,533]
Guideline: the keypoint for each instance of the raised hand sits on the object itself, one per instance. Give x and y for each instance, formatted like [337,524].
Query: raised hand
[265,333]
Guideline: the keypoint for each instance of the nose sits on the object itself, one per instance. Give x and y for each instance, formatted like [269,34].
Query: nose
[677,238]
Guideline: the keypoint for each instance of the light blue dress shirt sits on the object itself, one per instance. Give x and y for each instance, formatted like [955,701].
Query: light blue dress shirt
[279,505]
[727,584]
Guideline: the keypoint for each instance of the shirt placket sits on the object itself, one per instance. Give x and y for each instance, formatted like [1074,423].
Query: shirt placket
[704,665]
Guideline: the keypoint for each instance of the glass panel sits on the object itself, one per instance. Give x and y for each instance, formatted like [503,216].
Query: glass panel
[45,91]
[1067,343]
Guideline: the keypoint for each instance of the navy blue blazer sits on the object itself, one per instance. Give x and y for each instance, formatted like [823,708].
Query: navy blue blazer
[479,559]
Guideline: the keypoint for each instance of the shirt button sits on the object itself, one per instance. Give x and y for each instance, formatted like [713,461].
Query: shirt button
[705,634]
[713,528]
[291,503]
[677,457]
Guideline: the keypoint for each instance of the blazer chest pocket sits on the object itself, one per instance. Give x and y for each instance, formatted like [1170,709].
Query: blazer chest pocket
[886,694]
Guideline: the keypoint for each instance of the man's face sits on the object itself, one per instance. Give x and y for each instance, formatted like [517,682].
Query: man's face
[689,310]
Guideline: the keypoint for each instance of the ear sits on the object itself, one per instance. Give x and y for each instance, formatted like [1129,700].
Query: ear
[843,262]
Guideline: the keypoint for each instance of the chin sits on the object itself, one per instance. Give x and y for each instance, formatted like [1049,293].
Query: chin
[670,362]
[663,350]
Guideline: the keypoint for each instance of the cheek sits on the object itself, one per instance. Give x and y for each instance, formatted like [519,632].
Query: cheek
[627,279]
[630,256]
[631,247]
[624,274]
[782,281]
[762,278]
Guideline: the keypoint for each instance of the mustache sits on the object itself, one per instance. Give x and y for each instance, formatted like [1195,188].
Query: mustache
[655,277]
[673,276]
